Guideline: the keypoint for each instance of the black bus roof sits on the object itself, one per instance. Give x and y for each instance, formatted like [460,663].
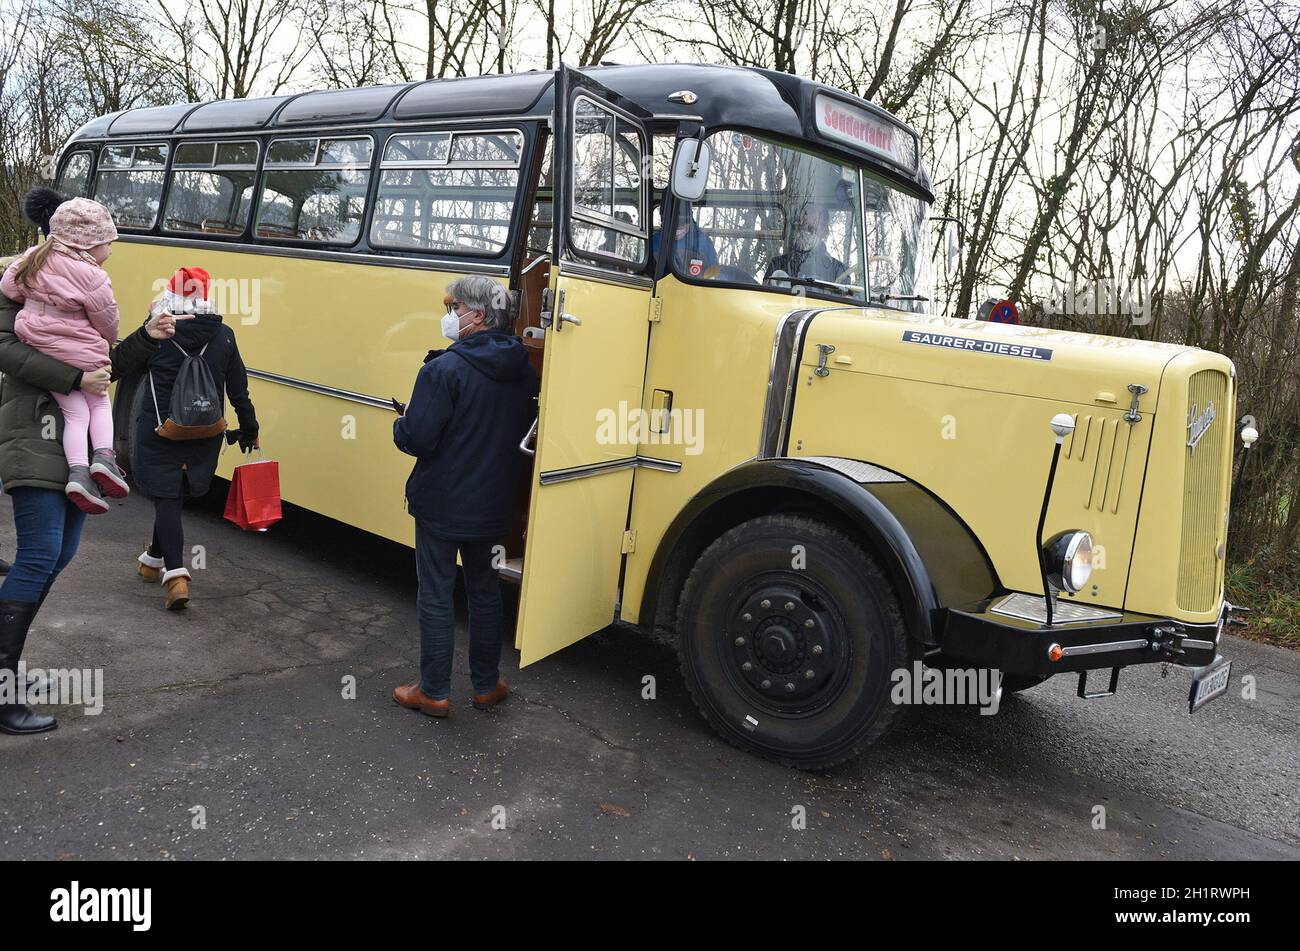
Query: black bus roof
[732,97]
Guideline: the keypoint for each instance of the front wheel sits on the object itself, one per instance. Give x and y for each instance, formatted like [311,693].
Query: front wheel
[788,634]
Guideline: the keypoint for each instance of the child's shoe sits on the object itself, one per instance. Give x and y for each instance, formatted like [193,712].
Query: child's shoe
[108,475]
[82,492]
[151,568]
[177,583]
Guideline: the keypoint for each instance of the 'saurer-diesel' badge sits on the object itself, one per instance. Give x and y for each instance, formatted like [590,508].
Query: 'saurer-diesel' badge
[1197,425]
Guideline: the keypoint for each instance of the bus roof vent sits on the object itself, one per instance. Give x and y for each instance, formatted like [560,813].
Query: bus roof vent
[475,96]
[340,105]
[233,114]
[151,120]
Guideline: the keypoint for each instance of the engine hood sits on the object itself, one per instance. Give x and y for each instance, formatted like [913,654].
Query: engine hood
[1085,369]
[962,408]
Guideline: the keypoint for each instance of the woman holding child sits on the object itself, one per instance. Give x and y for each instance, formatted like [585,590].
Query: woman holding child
[34,456]
[58,324]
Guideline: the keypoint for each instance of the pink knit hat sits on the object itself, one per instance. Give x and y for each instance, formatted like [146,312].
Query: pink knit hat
[82,224]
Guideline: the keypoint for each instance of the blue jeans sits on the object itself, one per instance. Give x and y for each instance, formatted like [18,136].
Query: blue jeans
[435,568]
[49,529]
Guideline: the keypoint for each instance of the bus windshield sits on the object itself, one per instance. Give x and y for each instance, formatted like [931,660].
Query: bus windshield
[785,218]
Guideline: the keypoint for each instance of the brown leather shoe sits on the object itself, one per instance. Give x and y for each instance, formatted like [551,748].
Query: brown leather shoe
[413,698]
[498,693]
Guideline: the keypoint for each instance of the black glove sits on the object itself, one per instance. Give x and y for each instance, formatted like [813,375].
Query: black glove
[246,440]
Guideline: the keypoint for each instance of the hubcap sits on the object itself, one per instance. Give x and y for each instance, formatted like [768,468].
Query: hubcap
[786,648]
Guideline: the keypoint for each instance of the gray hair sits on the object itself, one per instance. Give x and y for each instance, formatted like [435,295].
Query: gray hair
[487,295]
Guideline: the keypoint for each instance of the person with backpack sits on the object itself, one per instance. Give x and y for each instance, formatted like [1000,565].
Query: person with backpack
[180,422]
[34,469]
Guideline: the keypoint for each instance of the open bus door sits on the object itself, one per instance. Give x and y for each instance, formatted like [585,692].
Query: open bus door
[593,367]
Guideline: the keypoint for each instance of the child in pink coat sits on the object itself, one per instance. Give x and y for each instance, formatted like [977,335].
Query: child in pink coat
[69,313]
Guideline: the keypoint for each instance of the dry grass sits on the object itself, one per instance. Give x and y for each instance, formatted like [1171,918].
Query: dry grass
[1273,596]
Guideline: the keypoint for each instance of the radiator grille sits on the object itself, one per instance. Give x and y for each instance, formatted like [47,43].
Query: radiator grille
[1200,564]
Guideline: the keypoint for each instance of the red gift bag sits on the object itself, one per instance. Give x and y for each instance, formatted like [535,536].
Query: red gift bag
[254,500]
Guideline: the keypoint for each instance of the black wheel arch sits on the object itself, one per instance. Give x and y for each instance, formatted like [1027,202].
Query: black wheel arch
[927,552]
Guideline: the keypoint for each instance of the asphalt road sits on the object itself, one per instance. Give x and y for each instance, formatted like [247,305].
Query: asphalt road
[237,706]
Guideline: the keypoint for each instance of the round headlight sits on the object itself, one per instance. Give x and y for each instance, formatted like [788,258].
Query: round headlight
[1069,560]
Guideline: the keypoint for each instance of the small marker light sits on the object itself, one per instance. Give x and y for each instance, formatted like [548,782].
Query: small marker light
[1054,653]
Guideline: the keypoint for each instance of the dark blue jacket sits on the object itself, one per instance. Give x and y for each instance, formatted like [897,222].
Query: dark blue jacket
[472,405]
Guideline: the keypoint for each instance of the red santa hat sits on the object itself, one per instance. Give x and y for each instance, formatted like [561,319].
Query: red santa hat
[187,291]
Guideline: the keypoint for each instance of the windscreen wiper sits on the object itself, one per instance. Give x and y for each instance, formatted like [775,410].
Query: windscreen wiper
[815,282]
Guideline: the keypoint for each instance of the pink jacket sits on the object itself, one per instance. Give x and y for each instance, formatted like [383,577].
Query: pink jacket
[68,313]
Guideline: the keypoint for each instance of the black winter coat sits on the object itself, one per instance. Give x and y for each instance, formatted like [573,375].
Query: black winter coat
[472,405]
[171,468]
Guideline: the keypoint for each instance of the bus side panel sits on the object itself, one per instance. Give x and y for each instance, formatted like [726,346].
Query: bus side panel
[357,327]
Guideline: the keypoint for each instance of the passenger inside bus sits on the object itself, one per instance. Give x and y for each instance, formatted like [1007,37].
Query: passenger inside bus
[693,250]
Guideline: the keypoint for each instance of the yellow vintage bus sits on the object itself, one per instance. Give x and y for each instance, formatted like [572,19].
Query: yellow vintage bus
[751,433]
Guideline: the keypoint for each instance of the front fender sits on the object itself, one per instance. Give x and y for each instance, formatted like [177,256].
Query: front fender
[930,557]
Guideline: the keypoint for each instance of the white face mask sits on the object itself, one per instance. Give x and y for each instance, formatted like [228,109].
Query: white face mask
[450,326]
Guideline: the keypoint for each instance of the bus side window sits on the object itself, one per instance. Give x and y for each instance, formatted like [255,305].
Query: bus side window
[314,190]
[541,221]
[130,183]
[211,188]
[75,180]
[608,220]
[448,191]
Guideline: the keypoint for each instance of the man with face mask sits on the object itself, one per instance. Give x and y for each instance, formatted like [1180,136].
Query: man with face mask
[472,404]
[807,255]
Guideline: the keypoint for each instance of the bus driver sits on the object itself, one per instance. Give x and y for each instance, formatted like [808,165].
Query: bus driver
[807,255]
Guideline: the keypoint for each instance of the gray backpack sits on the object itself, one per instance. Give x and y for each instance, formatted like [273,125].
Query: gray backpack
[198,406]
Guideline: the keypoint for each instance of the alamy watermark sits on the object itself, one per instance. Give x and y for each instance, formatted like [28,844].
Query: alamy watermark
[1103,297]
[231,297]
[634,426]
[70,687]
[929,686]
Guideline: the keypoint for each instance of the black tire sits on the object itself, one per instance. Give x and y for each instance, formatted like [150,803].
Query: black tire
[825,637]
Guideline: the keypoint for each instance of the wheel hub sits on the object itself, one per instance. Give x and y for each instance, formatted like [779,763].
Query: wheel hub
[782,646]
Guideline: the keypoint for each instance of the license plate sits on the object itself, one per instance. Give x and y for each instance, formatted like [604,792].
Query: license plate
[1209,682]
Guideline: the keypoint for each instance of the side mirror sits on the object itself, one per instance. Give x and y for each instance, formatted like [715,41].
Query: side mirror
[953,241]
[691,168]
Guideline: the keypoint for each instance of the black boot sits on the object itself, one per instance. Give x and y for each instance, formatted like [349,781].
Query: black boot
[36,680]
[4,567]
[15,619]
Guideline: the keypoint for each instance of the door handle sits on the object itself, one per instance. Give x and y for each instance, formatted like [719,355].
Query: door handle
[528,437]
[567,319]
